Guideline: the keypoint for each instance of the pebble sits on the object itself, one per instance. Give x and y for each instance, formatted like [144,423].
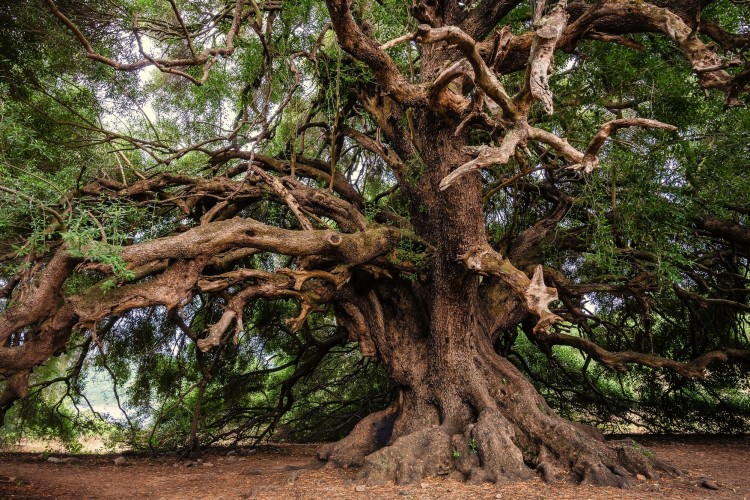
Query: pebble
[360,488]
[207,464]
[710,485]
[231,453]
[404,492]
[640,477]
[120,461]
[54,460]
[424,486]
[499,495]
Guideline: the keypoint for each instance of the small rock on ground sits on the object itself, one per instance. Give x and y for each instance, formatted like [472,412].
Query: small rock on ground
[360,488]
[67,460]
[207,464]
[120,461]
[710,485]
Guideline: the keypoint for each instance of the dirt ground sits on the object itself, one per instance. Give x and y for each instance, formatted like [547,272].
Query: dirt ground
[291,472]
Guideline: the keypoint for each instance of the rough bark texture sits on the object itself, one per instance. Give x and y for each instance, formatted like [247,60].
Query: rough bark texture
[467,411]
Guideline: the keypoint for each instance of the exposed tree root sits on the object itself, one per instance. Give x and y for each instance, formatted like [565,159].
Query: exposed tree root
[368,436]
[489,451]
[423,453]
[514,436]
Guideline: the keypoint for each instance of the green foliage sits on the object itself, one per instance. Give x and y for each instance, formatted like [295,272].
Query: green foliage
[95,251]
[660,402]
[411,251]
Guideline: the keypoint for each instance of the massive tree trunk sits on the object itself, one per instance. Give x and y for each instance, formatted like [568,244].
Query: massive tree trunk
[462,408]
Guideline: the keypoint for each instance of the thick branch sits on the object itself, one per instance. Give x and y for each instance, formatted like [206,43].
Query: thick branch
[559,144]
[39,296]
[535,294]
[633,16]
[353,40]
[695,368]
[489,156]
[223,235]
[484,77]
[588,161]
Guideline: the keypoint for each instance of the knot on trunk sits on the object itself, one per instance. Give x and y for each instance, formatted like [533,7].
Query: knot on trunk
[473,259]
[334,239]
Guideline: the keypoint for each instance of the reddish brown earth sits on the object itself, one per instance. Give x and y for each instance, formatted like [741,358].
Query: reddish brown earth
[290,472]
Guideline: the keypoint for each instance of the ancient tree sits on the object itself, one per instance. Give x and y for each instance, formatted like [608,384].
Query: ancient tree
[434,177]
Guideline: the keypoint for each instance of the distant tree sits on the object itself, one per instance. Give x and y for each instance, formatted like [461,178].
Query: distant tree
[436,182]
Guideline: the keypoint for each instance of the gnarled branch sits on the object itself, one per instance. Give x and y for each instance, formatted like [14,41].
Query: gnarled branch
[535,294]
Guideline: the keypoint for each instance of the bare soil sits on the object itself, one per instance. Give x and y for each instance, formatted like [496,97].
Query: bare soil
[292,472]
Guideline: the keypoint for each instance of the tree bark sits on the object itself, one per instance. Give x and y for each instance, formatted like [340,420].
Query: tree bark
[462,409]
[465,411]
